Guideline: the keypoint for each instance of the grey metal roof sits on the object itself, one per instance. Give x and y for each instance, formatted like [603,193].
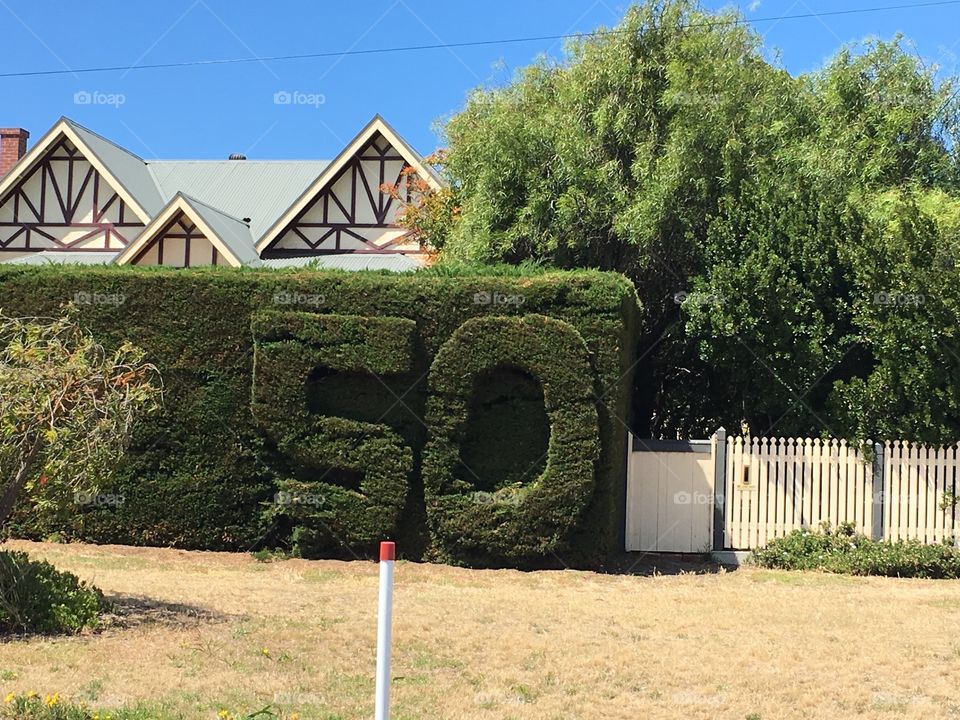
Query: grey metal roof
[54,257]
[234,233]
[129,170]
[261,190]
[348,261]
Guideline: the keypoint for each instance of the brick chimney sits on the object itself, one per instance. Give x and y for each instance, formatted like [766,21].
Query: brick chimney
[13,146]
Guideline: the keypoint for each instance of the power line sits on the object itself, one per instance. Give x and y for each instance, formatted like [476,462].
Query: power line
[465,44]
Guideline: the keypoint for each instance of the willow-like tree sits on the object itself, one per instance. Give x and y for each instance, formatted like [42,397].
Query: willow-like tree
[67,409]
[739,198]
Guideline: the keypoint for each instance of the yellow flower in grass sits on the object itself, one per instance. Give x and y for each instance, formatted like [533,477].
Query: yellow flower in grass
[9,698]
[32,694]
[265,652]
[51,700]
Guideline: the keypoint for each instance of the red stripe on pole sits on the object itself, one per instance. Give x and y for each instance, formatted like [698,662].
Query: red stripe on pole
[388,551]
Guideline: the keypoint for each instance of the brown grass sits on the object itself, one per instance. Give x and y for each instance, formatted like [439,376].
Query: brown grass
[194,626]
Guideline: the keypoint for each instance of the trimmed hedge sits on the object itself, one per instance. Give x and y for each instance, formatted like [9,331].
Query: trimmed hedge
[537,516]
[296,408]
[289,347]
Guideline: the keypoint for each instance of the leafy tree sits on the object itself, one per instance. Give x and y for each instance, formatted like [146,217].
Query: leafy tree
[735,196]
[67,408]
[427,213]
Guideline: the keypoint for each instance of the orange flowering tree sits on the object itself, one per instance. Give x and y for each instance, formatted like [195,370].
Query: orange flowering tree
[428,213]
[67,407]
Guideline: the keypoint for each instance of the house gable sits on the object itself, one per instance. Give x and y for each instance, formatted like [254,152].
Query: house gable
[180,243]
[188,233]
[345,210]
[61,200]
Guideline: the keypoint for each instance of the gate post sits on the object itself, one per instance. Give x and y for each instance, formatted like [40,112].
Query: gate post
[879,486]
[719,487]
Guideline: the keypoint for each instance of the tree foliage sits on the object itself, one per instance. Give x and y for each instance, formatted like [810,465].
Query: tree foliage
[758,213]
[67,407]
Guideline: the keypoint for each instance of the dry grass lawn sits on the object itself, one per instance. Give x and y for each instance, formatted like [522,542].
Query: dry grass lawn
[205,631]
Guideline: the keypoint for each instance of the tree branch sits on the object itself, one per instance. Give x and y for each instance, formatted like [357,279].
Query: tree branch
[12,491]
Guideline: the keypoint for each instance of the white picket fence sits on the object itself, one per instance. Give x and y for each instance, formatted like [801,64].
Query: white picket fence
[775,485]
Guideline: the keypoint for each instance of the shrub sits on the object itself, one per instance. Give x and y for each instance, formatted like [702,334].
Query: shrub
[32,706]
[35,597]
[843,551]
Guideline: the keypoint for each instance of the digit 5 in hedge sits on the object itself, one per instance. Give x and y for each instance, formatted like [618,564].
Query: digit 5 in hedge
[288,347]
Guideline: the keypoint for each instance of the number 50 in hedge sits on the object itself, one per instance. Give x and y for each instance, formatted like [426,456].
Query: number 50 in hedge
[288,347]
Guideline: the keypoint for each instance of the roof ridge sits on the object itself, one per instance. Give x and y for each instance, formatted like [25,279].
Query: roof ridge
[75,124]
[196,201]
[156,161]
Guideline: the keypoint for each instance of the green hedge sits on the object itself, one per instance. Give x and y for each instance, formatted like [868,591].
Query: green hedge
[535,517]
[289,347]
[297,408]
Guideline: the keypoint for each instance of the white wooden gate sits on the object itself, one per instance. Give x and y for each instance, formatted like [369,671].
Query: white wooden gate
[670,495]
[921,487]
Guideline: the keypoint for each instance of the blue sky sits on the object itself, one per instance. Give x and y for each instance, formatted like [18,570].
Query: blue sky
[210,112]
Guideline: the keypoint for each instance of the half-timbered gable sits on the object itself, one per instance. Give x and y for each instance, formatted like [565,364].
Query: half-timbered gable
[189,233]
[346,211]
[63,203]
[61,197]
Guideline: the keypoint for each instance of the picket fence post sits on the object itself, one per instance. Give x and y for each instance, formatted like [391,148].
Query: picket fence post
[879,487]
[719,485]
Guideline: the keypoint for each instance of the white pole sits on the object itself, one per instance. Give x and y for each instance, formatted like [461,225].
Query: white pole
[388,552]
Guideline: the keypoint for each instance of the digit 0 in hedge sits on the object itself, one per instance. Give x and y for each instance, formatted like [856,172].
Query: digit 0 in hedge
[288,348]
[541,514]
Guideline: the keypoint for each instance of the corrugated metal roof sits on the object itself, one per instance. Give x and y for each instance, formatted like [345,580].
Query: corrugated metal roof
[257,189]
[60,258]
[234,233]
[352,261]
[130,171]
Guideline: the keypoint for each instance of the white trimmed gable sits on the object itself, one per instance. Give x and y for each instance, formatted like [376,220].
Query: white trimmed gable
[346,210]
[62,201]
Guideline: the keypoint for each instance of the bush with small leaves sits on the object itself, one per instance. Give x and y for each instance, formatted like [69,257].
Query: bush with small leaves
[841,550]
[35,597]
